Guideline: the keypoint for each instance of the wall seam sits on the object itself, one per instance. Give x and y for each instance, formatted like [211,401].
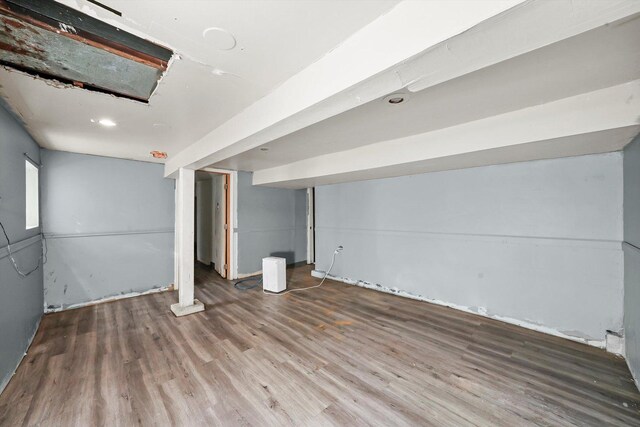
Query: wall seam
[106,234]
[19,245]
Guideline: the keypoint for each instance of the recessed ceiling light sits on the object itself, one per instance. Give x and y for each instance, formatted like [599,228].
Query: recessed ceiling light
[107,123]
[396,98]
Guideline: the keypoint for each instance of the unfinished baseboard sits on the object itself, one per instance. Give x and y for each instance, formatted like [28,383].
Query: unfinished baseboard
[4,384]
[480,312]
[245,275]
[106,299]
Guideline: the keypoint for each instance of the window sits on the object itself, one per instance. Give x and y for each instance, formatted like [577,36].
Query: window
[31,195]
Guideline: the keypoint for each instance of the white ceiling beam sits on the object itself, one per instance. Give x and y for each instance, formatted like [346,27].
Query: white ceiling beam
[567,121]
[405,31]
[399,50]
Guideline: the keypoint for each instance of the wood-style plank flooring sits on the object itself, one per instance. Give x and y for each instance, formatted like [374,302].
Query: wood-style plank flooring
[335,355]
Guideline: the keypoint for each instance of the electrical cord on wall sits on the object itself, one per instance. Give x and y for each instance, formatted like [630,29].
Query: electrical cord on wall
[333,260]
[41,260]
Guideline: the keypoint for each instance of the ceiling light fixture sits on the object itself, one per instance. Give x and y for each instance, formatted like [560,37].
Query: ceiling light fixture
[396,98]
[159,154]
[107,123]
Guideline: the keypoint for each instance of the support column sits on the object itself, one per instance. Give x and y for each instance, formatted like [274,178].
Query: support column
[185,188]
[176,240]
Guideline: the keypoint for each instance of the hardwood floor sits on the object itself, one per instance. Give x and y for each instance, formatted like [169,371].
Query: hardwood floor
[335,355]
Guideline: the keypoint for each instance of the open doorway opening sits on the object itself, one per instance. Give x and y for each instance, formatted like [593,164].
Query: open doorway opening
[311,220]
[212,227]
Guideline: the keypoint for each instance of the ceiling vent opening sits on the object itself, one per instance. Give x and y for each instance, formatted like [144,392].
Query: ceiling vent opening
[53,41]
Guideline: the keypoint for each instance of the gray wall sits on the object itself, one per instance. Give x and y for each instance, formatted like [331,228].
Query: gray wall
[21,303]
[109,227]
[204,221]
[271,221]
[632,257]
[537,243]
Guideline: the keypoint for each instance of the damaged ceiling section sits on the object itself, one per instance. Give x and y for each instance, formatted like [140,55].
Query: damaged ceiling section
[53,41]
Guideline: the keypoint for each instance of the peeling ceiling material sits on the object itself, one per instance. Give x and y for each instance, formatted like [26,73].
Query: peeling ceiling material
[204,86]
[54,41]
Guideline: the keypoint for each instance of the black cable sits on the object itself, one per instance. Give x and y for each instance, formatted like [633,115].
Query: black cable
[5,234]
[250,279]
[13,260]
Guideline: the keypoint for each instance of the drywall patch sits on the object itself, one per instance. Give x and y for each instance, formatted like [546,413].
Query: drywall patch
[480,311]
[122,295]
[615,342]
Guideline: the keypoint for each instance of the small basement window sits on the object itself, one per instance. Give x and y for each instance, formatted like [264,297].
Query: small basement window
[31,195]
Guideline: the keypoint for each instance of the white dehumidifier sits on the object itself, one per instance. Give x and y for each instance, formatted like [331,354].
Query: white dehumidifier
[274,275]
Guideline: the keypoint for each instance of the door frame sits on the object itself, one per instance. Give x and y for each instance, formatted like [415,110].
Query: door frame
[231,213]
[311,226]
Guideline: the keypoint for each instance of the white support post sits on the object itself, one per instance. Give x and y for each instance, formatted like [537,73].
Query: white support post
[185,187]
[176,241]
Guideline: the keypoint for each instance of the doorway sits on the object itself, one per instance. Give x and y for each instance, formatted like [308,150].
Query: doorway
[311,220]
[213,220]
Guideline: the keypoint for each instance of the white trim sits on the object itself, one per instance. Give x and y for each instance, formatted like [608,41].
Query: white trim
[176,240]
[233,219]
[481,312]
[32,195]
[311,234]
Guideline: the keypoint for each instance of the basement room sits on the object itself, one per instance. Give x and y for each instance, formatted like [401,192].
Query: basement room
[320,212]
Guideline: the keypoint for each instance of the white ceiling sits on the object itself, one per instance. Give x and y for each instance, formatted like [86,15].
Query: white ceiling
[487,82]
[205,85]
[596,59]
